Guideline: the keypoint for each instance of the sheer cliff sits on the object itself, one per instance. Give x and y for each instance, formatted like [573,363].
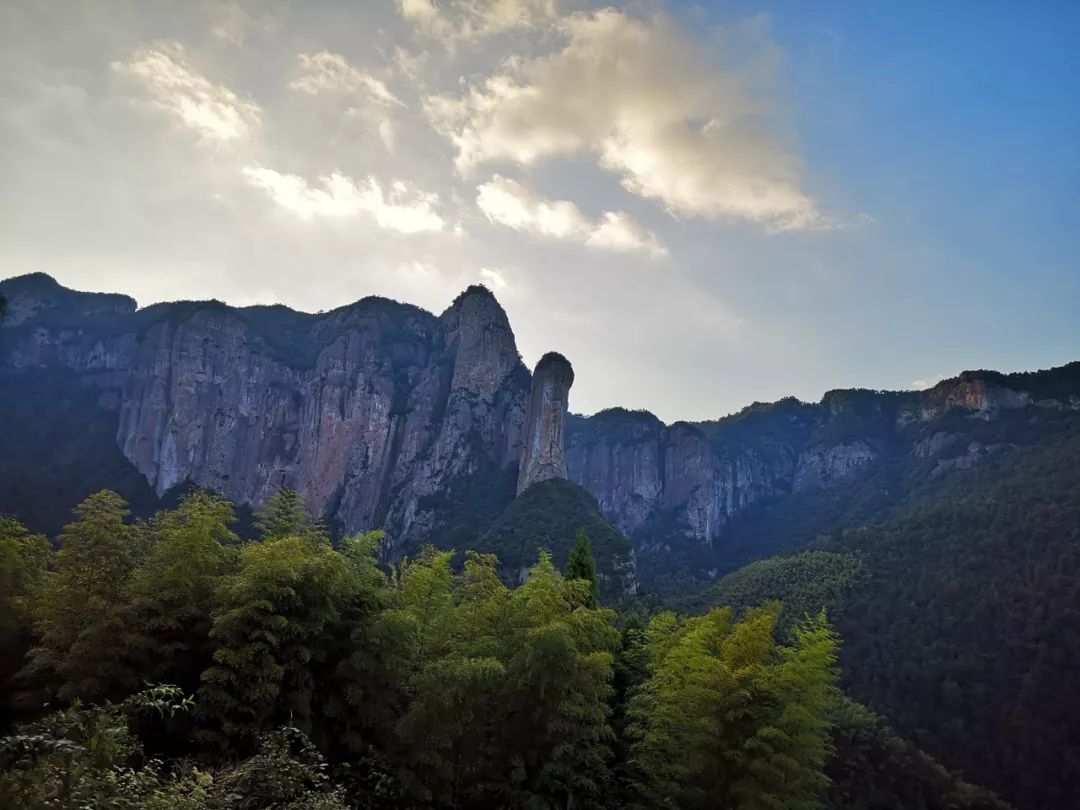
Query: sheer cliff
[384,415]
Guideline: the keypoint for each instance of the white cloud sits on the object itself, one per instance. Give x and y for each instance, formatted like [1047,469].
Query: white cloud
[927,382]
[214,111]
[399,208]
[618,231]
[331,72]
[493,279]
[510,203]
[470,19]
[643,98]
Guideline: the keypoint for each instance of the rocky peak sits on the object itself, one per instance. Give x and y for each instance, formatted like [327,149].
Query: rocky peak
[478,334]
[37,294]
[544,453]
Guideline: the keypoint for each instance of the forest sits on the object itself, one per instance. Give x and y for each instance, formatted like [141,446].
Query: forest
[165,663]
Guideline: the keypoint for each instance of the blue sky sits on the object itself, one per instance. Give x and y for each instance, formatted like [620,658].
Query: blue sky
[701,205]
[956,126]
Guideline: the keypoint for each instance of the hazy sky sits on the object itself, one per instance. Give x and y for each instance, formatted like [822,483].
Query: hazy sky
[700,204]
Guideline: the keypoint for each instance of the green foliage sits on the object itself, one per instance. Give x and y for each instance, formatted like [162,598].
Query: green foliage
[173,590]
[277,613]
[874,769]
[728,717]
[325,682]
[549,516]
[23,558]
[581,565]
[79,608]
[964,631]
[86,756]
[283,515]
[806,583]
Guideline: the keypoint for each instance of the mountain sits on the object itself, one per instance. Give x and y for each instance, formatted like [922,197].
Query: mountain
[549,515]
[371,411]
[384,415]
[959,611]
[698,499]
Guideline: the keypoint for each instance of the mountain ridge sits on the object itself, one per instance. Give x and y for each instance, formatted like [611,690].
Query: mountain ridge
[376,410]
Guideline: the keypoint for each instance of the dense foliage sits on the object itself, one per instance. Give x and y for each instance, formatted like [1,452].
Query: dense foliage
[312,676]
[960,613]
[550,515]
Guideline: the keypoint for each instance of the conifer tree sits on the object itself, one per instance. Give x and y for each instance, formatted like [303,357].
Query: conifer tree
[582,565]
[283,514]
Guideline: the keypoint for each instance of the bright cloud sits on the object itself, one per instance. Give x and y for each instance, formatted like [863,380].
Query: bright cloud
[469,19]
[214,111]
[927,382]
[399,208]
[331,72]
[510,203]
[643,98]
[493,279]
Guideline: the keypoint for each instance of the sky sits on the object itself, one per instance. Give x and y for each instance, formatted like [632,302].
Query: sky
[701,205]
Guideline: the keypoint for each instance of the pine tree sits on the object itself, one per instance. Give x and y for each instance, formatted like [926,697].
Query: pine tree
[79,611]
[283,514]
[582,565]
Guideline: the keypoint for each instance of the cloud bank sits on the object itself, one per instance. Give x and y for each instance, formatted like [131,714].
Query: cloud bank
[643,98]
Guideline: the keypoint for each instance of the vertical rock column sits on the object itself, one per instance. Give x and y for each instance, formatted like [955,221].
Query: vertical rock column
[544,453]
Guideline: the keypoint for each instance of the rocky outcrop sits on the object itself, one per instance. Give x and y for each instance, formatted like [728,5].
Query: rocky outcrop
[379,413]
[661,483]
[368,410]
[544,454]
[821,467]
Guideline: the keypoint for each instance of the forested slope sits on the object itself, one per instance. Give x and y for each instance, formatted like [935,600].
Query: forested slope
[960,614]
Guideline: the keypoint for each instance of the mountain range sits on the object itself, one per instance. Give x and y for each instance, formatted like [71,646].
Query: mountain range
[383,415]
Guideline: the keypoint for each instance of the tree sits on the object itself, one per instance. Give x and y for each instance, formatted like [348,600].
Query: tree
[729,718]
[581,565]
[457,687]
[173,590]
[273,626]
[559,657]
[23,559]
[283,514]
[79,609]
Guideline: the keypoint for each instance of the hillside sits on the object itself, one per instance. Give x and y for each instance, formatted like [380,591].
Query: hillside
[959,611]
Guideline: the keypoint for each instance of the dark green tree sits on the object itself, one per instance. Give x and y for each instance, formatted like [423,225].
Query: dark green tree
[582,565]
[273,628]
[23,560]
[283,514]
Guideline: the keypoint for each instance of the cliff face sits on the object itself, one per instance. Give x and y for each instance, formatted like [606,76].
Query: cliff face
[668,485]
[544,456]
[366,410]
[382,414]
